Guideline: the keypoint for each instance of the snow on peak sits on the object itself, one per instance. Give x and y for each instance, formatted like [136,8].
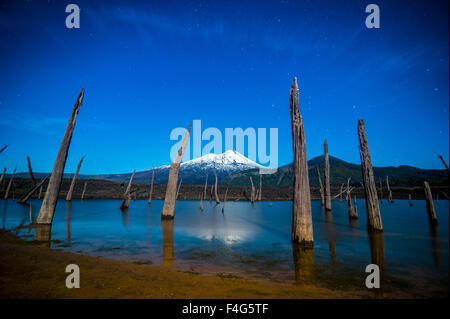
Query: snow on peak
[228,158]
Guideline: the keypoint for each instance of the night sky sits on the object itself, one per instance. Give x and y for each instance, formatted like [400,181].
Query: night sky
[149,67]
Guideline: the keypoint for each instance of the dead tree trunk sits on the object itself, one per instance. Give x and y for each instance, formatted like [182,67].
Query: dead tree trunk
[84,190]
[150,193]
[9,184]
[74,179]
[30,171]
[40,192]
[54,185]
[326,167]
[381,192]
[443,162]
[33,189]
[252,193]
[4,147]
[1,178]
[260,187]
[171,190]
[322,196]
[430,205]
[201,201]
[370,190]
[211,193]
[389,190]
[127,195]
[410,200]
[351,211]
[206,186]
[178,189]
[356,207]
[224,200]
[302,230]
[215,187]
[340,194]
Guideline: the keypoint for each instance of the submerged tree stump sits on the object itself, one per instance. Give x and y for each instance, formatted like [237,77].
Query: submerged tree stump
[171,189]
[150,193]
[410,200]
[127,195]
[351,211]
[389,190]
[9,185]
[370,190]
[430,205]
[84,190]
[224,200]
[215,187]
[30,171]
[74,179]
[356,207]
[322,195]
[1,178]
[326,167]
[51,195]
[260,187]
[252,193]
[206,186]
[302,230]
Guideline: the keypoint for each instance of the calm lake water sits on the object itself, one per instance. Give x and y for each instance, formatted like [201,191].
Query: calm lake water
[255,241]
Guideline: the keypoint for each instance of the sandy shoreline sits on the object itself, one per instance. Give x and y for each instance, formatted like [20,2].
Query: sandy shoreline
[29,270]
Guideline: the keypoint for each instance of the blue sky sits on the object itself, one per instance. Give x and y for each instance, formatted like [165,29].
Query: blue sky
[149,67]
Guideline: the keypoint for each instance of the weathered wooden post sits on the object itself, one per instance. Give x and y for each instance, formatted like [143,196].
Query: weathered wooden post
[322,195]
[206,186]
[224,200]
[430,205]
[443,162]
[84,190]
[33,189]
[348,197]
[1,178]
[381,192]
[260,187]
[326,167]
[179,186]
[410,200]
[252,194]
[215,187]
[74,179]
[9,184]
[370,190]
[389,190]
[171,189]
[30,171]
[127,195]
[150,193]
[54,185]
[302,230]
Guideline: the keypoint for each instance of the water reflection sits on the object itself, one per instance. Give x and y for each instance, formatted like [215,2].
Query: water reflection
[435,246]
[125,217]
[303,264]
[331,234]
[68,216]
[376,240]
[149,210]
[167,237]
[43,233]
[4,215]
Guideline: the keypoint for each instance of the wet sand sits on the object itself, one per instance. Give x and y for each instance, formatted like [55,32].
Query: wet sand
[30,270]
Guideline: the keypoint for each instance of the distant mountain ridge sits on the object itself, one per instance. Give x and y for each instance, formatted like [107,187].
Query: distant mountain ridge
[234,168]
[340,171]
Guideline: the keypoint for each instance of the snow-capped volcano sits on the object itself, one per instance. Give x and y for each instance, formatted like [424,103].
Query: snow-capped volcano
[195,170]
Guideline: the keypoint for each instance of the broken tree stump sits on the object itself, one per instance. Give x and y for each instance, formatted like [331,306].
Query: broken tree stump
[30,171]
[171,189]
[224,200]
[206,186]
[74,179]
[150,193]
[389,190]
[443,162]
[33,189]
[9,184]
[322,195]
[351,211]
[370,190]
[215,187]
[84,190]
[252,193]
[260,187]
[302,230]
[127,195]
[356,207]
[51,195]
[430,205]
[326,167]
[410,200]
